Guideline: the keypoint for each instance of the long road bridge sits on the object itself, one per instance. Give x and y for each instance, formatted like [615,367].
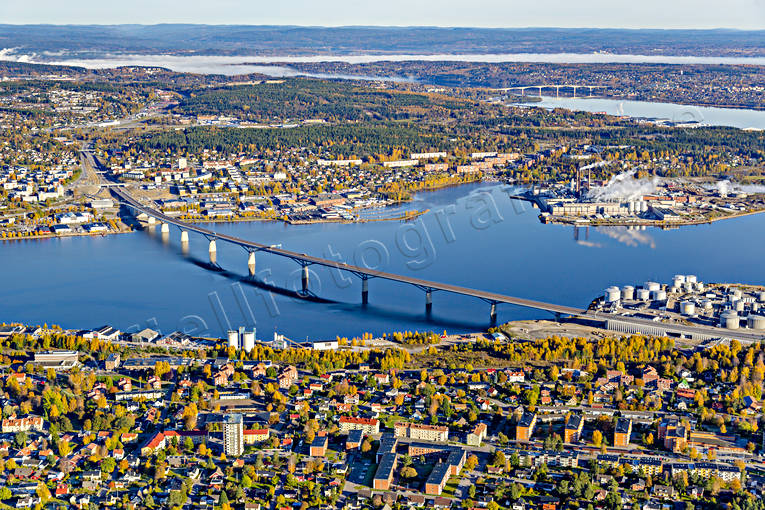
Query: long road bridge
[363,273]
[556,86]
[620,323]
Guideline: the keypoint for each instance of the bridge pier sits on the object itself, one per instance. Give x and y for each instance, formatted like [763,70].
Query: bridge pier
[574,91]
[493,314]
[304,279]
[152,220]
[184,237]
[251,264]
[364,291]
[165,228]
[428,301]
[213,252]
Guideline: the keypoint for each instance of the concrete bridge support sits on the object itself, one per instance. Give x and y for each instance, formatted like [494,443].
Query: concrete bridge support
[304,279]
[493,314]
[213,252]
[184,237]
[152,220]
[251,264]
[428,301]
[364,291]
[165,228]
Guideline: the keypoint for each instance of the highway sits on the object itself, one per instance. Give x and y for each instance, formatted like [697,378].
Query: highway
[688,331]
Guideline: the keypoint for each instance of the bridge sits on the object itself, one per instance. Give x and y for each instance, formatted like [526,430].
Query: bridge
[305,260]
[555,86]
[611,321]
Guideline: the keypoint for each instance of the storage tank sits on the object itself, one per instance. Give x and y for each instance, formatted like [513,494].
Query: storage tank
[729,320]
[628,292]
[688,308]
[762,297]
[755,321]
[651,286]
[612,294]
[736,294]
[738,305]
[248,339]
[690,278]
[706,304]
[659,295]
[643,294]
[631,207]
[643,206]
[678,280]
[233,339]
[700,286]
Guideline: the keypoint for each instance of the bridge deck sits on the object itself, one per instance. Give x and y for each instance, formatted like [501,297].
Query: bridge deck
[746,335]
[309,259]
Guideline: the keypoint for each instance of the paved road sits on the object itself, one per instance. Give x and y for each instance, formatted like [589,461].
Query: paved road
[491,297]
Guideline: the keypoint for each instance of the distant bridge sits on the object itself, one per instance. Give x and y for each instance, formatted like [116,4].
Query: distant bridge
[555,86]
[619,323]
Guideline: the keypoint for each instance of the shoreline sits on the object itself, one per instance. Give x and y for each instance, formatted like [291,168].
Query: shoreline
[645,223]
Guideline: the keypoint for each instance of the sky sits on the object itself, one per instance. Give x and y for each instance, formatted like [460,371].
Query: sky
[740,14]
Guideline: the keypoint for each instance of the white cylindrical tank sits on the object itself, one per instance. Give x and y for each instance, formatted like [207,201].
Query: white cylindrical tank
[690,278]
[628,292]
[643,294]
[762,296]
[700,286]
[233,339]
[738,305]
[735,293]
[755,322]
[706,304]
[687,308]
[729,320]
[248,340]
[612,294]
[678,280]
[651,286]
[659,295]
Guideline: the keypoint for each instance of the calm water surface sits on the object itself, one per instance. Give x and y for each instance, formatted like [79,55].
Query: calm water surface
[474,236]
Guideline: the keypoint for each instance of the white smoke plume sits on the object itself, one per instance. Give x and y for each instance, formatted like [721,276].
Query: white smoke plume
[726,187]
[624,187]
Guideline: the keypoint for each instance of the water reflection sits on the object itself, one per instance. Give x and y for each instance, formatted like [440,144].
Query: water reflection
[630,236]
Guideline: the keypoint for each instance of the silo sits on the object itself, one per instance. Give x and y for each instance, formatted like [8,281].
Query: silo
[659,295]
[612,294]
[248,340]
[643,294]
[762,297]
[628,292]
[736,294]
[700,286]
[729,320]
[755,321]
[706,304]
[738,305]
[678,280]
[691,278]
[651,286]
[631,207]
[643,206]
[233,339]
[687,308]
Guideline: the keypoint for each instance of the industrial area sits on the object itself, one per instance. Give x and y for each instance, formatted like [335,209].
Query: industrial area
[625,200]
[688,301]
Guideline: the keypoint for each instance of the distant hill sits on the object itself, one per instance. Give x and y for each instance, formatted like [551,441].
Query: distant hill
[95,40]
